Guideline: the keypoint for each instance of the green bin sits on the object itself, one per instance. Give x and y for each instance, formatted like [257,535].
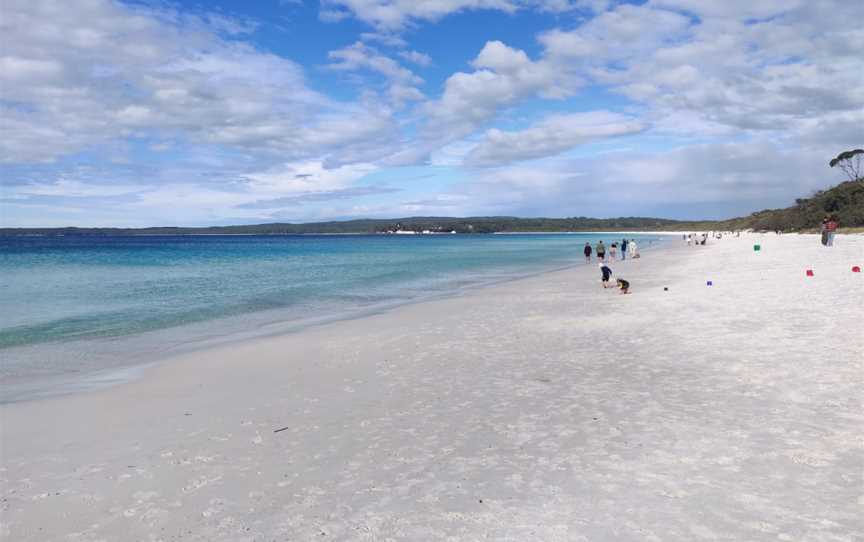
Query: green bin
[757,248]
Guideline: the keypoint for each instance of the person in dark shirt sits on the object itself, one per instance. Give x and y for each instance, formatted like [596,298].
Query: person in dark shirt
[624,249]
[623,285]
[606,273]
[587,252]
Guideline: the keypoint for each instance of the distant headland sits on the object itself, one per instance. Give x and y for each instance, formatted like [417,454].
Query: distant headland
[845,201]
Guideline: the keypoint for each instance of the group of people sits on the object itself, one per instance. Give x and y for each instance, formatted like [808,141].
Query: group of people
[693,238]
[828,229]
[628,246]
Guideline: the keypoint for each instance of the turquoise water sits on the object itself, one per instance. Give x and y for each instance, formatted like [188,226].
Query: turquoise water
[77,304]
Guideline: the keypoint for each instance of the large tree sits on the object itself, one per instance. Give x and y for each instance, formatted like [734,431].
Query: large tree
[850,163]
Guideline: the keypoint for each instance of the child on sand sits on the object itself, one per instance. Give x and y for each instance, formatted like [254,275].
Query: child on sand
[623,285]
[606,274]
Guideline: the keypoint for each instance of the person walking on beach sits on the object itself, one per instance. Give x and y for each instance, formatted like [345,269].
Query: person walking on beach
[601,251]
[587,252]
[606,274]
[831,228]
[634,249]
[823,231]
[613,251]
[623,249]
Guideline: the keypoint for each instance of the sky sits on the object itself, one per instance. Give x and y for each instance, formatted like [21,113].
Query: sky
[191,113]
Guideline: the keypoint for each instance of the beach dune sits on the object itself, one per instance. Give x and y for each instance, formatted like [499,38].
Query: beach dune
[541,409]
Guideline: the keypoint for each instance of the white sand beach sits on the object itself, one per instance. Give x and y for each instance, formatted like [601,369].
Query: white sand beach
[544,409]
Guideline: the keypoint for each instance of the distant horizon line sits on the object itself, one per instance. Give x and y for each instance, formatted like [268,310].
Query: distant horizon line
[375,220]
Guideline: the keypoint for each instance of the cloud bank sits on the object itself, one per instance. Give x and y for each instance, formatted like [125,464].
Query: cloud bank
[181,116]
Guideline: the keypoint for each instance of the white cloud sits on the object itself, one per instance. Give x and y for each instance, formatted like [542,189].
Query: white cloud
[625,31]
[72,79]
[304,177]
[77,189]
[504,76]
[395,14]
[359,56]
[174,197]
[452,154]
[762,92]
[421,59]
[723,72]
[387,39]
[699,181]
[550,136]
[738,9]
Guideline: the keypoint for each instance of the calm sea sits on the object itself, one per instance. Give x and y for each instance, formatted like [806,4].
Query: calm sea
[78,308]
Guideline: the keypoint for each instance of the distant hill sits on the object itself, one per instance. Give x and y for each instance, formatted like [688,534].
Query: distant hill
[488,224]
[844,200]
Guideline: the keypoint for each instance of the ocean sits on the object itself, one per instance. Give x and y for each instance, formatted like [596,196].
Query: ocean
[85,311]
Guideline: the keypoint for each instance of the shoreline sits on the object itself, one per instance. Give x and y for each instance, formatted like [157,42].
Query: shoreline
[85,234]
[540,409]
[586,232]
[38,387]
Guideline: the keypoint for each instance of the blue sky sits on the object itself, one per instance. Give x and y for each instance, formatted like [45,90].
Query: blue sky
[197,113]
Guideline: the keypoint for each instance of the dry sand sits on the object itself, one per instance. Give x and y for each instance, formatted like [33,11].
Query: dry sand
[543,409]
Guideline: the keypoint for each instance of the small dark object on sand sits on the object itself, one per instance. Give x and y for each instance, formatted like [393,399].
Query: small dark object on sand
[281,429]
[665,289]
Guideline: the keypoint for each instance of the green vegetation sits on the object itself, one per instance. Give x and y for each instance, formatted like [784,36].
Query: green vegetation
[846,201]
[849,162]
[419,224]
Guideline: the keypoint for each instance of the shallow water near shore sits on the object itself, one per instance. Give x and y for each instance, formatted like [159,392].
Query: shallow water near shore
[78,306]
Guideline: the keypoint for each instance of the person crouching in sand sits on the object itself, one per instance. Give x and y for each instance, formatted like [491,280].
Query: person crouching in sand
[607,274]
[623,285]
